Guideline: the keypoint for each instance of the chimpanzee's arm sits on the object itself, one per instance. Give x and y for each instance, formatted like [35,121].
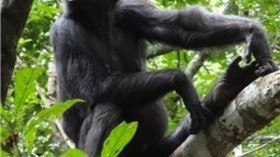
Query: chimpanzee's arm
[233,82]
[195,28]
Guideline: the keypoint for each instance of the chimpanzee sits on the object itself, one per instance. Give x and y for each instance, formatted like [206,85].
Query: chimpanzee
[100,56]
[234,80]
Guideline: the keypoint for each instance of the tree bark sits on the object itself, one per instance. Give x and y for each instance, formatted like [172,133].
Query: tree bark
[252,109]
[14,14]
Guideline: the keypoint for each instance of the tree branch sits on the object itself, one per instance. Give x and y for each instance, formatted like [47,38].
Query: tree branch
[269,139]
[196,63]
[252,109]
[154,52]
[258,148]
[14,14]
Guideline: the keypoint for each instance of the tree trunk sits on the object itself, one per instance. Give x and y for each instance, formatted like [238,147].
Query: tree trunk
[14,14]
[252,109]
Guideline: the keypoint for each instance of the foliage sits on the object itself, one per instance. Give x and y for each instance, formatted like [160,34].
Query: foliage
[118,139]
[51,113]
[34,50]
[17,138]
[73,153]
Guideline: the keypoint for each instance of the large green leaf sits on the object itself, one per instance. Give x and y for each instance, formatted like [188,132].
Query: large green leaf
[118,139]
[24,86]
[73,153]
[51,113]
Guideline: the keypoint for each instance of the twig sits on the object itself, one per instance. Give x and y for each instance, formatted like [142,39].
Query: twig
[266,139]
[258,148]
[274,44]
[64,136]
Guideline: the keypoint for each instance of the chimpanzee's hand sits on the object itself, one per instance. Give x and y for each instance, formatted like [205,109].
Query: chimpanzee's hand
[200,118]
[252,70]
[261,51]
[235,73]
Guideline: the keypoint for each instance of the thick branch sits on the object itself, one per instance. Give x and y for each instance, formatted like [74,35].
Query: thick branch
[252,109]
[14,14]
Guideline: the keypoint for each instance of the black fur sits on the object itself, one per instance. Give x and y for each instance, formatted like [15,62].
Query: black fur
[234,80]
[226,89]
[99,52]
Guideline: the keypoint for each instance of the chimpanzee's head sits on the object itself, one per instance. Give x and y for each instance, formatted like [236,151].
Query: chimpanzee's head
[93,2]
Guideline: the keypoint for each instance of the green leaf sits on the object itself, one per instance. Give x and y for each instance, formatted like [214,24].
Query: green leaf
[118,139]
[4,114]
[51,113]
[5,127]
[5,133]
[24,41]
[272,9]
[24,86]
[3,153]
[73,153]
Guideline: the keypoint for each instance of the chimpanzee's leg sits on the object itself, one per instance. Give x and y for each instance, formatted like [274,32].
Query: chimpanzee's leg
[146,87]
[97,126]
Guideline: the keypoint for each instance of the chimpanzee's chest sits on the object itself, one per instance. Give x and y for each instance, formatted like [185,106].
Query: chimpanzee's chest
[129,49]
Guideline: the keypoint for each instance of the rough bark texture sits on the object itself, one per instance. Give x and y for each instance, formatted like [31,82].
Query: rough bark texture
[14,14]
[252,109]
